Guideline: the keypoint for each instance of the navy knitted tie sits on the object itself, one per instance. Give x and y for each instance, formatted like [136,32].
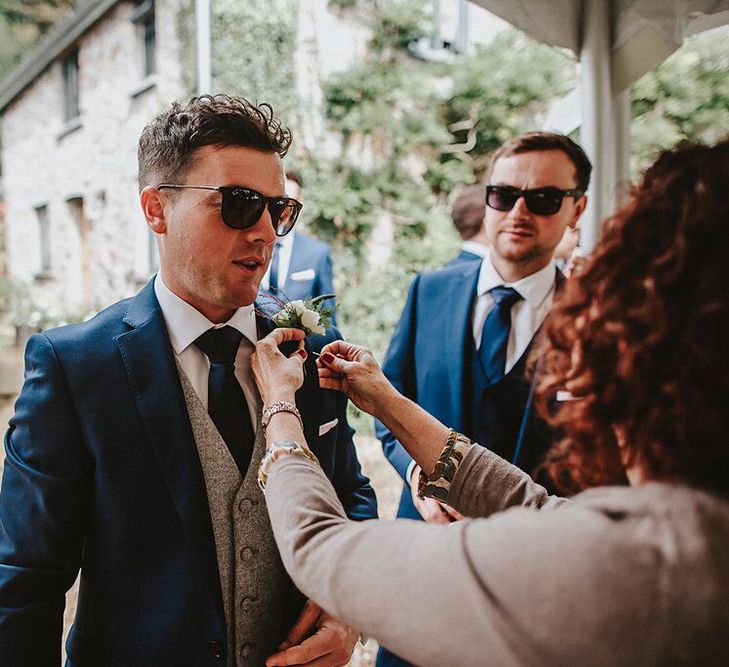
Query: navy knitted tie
[495,336]
[227,405]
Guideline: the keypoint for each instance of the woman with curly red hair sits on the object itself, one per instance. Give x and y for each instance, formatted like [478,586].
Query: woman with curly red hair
[634,375]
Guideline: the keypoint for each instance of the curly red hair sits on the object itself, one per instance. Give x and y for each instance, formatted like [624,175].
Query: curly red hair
[639,336]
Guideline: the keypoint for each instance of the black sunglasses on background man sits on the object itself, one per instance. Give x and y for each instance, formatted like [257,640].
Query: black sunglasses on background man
[539,201]
[242,208]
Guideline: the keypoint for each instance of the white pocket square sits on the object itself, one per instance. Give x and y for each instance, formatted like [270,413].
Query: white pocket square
[325,428]
[306,274]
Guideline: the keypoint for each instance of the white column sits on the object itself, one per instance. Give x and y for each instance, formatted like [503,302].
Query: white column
[462,27]
[596,134]
[202,43]
[621,127]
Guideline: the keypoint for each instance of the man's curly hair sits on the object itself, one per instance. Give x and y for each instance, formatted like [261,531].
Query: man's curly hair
[168,145]
[639,337]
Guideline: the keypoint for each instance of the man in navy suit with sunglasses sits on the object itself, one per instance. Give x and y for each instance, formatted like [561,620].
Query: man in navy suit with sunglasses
[461,345]
[133,451]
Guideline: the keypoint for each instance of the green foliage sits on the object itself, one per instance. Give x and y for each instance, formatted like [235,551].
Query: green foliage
[341,4]
[253,51]
[398,23]
[19,310]
[504,90]
[22,23]
[686,98]
[341,209]
[185,28]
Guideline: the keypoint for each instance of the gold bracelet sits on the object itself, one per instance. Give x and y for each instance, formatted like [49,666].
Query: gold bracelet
[278,449]
[438,483]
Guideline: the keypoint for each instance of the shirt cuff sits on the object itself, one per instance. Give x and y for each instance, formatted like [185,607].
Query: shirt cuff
[438,484]
[409,472]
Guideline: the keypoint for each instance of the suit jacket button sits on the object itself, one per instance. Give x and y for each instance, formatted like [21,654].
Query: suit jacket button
[246,649]
[245,505]
[216,648]
[246,553]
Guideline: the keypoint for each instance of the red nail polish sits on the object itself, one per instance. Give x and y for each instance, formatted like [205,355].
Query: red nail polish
[327,358]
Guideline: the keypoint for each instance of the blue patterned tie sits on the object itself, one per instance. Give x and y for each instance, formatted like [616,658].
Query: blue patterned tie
[495,336]
[227,405]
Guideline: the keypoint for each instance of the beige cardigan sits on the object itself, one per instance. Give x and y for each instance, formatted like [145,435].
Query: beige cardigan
[617,576]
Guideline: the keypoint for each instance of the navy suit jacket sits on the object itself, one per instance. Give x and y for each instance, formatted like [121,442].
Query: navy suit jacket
[102,474]
[312,261]
[426,361]
[464,256]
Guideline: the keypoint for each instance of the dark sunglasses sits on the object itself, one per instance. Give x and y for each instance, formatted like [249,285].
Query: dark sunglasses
[242,208]
[540,201]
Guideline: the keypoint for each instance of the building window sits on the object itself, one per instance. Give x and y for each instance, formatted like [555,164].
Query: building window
[44,237]
[70,87]
[143,18]
[78,214]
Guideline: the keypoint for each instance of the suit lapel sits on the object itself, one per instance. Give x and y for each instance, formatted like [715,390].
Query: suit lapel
[155,383]
[461,295]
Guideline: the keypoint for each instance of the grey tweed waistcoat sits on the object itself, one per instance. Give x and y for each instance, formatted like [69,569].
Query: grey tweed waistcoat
[258,597]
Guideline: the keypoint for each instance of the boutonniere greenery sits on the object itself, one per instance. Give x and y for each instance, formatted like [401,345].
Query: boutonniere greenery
[309,315]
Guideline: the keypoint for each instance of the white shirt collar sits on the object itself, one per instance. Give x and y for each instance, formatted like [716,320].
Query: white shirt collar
[534,288]
[185,324]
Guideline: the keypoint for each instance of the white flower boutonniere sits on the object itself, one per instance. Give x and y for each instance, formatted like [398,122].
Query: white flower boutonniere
[309,315]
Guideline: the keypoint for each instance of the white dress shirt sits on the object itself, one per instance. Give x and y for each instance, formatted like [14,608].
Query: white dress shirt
[185,324]
[284,261]
[527,314]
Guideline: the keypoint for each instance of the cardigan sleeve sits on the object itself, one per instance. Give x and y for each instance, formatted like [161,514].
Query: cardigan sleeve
[484,483]
[518,587]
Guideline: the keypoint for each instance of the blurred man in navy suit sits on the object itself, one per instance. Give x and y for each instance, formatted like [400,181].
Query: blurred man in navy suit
[467,213]
[301,266]
[461,345]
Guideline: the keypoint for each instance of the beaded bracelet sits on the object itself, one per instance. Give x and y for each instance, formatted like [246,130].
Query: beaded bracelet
[280,406]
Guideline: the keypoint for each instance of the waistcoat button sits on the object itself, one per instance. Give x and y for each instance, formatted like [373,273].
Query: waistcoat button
[245,505]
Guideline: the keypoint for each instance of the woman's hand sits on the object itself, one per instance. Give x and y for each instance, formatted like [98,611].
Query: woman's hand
[277,376]
[353,370]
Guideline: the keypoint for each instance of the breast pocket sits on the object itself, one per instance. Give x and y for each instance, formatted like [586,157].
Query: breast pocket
[326,427]
[306,274]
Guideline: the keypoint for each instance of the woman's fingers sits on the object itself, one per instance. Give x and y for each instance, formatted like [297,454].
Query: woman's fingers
[330,383]
[278,336]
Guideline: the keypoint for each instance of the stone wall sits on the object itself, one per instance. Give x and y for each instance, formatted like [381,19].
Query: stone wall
[46,163]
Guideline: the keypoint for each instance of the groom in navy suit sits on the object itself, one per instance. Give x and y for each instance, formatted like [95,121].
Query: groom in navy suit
[129,425]
[461,345]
